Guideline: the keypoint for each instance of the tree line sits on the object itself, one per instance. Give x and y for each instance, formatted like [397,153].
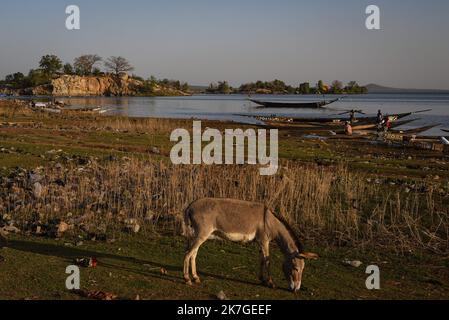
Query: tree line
[280,87]
[51,66]
[148,85]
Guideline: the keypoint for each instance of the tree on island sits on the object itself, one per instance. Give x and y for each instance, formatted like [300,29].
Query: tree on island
[84,64]
[320,87]
[337,87]
[118,65]
[15,80]
[68,69]
[221,88]
[185,87]
[50,65]
[304,88]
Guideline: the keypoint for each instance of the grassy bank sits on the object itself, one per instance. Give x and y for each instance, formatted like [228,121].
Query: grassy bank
[131,267]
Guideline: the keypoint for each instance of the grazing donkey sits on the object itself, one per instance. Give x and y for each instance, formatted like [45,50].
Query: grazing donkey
[242,221]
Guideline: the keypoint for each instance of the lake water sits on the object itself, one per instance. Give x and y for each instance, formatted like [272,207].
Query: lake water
[233,107]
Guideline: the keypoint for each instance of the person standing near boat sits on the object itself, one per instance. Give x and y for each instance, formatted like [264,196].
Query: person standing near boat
[380,121]
[380,117]
[387,124]
[348,128]
[352,118]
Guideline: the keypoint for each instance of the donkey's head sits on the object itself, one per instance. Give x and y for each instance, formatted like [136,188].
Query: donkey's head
[294,268]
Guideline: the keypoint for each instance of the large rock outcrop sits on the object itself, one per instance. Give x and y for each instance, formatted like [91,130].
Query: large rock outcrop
[110,85]
[107,85]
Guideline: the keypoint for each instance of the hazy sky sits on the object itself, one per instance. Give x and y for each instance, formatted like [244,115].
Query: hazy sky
[201,41]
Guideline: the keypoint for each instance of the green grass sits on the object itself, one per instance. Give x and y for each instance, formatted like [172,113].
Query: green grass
[35,269]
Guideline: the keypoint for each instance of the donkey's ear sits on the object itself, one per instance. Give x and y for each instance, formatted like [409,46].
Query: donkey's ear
[309,255]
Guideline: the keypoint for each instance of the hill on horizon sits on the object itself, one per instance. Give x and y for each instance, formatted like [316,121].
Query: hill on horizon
[375,88]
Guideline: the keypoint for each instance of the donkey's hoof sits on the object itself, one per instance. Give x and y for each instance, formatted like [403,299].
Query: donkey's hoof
[188,282]
[197,280]
[270,284]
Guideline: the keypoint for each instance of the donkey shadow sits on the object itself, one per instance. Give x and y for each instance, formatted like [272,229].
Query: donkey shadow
[71,253]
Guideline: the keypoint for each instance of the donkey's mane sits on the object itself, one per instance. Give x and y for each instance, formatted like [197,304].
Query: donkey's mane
[290,230]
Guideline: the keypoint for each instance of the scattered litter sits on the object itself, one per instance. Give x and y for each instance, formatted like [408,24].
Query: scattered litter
[132,225]
[98,295]
[444,141]
[353,263]
[164,272]
[87,262]
[222,296]
[314,136]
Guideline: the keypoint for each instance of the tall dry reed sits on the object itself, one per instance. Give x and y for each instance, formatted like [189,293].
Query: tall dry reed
[329,205]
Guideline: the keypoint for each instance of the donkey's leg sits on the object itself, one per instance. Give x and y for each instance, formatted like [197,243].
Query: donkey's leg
[187,263]
[268,280]
[195,247]
[263,271]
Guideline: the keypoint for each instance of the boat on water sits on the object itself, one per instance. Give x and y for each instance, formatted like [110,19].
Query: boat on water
[444,130]
[294,105]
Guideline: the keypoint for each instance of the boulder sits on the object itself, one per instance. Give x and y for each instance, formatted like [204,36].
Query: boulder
[37,190]
[132,225]
[109,85]
[62,228]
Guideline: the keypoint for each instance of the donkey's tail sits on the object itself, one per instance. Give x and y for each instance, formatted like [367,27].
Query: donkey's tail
[187,229]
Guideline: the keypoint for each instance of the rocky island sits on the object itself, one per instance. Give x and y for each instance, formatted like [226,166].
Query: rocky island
[52,78]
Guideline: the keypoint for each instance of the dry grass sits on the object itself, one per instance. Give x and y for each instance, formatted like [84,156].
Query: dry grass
[329,205]
[12,111]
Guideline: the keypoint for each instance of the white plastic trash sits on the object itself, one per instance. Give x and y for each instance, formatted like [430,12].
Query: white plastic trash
[444,141]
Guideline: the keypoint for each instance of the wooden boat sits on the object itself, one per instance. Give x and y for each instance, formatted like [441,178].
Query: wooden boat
[294,105]
[394,124]
[330,127]
[328,120]
[416,130]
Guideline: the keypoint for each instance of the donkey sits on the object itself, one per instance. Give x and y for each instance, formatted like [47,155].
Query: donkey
[242,221]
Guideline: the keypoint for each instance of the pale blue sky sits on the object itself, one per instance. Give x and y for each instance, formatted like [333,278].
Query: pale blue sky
[201,41]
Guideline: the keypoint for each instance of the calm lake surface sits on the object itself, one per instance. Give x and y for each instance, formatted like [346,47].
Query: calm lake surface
[233,107]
